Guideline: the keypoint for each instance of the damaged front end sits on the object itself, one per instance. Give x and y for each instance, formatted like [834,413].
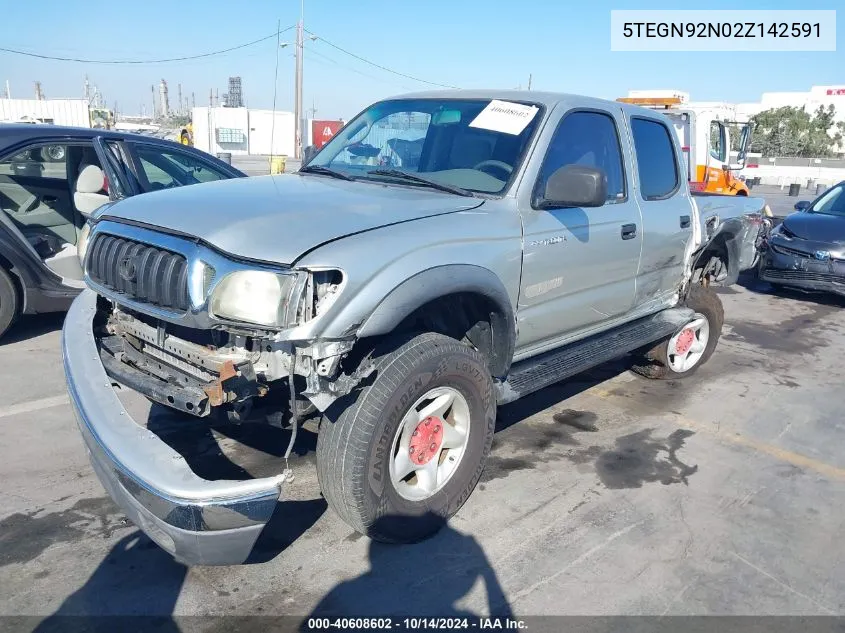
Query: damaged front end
[198,332]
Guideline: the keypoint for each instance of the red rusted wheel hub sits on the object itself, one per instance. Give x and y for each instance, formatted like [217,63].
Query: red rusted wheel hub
[426,440]
[684,342]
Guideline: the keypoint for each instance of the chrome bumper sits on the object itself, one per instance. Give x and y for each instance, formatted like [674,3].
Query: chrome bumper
[200,522]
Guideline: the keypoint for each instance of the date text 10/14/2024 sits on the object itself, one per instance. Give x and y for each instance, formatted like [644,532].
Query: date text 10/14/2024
[415,624]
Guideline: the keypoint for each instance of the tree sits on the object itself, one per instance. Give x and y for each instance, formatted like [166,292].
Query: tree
[790,131]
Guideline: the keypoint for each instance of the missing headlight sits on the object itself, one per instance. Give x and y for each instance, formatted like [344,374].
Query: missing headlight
[325,289]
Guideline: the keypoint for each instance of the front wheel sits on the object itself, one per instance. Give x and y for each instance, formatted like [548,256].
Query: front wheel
[690,347]
[402,458]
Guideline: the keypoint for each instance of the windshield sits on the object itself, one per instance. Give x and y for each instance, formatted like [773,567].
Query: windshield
[472,144]
[832,202]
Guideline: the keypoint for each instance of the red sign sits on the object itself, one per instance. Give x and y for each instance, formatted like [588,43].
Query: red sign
[836,92]
[323,131]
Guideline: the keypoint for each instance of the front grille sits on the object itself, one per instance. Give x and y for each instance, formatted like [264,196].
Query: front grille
[802,275]
[139,272]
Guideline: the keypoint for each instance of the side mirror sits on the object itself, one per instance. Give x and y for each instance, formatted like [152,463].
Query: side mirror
[735,167]
[575,186]
[802,205]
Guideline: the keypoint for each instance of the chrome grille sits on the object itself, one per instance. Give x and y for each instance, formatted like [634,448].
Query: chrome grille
[140,272]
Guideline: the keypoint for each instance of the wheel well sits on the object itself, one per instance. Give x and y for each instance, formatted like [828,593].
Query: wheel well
[742,192]
[468,317]
[720,249]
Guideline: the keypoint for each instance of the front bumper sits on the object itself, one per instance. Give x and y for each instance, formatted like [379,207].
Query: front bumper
[200,522]
[802,272]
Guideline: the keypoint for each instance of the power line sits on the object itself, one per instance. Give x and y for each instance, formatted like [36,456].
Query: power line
[143,61]
[350,68]
[372,63]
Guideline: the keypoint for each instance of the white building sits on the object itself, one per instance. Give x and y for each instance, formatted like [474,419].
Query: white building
[241,131]
[56,111]
[818,96]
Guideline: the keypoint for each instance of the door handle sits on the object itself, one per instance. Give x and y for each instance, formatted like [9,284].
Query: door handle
[629,231]
[49,199]
[685,221]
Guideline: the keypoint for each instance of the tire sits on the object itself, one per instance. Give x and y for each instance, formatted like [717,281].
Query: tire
[656,362]
[185,139]
[356,445]
[9,304]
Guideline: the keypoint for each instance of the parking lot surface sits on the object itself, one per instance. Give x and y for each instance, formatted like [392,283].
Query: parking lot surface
[721,494]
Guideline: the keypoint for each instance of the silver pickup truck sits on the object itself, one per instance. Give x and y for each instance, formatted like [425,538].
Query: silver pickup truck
[446,252]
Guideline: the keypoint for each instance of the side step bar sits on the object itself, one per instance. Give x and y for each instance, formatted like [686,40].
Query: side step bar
[546,369]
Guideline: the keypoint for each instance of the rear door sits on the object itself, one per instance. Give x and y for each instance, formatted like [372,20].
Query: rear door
[579,264]
[666,208]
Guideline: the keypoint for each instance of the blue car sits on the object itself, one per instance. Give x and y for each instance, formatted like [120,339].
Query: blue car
[51,180]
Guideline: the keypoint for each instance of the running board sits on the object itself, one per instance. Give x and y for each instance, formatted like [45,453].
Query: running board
[546,369]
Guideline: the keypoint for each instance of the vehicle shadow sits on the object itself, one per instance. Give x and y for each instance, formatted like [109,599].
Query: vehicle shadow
[136,578]
[515,412]
[32,325]
[427,579]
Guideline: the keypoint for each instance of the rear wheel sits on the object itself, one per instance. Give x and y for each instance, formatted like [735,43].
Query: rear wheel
[680,355]
[8,301]
[406,453]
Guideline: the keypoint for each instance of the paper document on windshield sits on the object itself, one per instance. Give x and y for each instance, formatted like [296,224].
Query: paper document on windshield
[505,116]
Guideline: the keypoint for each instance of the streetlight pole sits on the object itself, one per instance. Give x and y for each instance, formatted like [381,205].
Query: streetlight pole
[297,147]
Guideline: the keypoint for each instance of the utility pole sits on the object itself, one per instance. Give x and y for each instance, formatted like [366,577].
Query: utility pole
[8,90]
[297,142]
[153,111]
[313,109]
[529,81]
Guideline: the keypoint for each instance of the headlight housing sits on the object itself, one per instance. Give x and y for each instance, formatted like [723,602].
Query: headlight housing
[82,242]
[256,296]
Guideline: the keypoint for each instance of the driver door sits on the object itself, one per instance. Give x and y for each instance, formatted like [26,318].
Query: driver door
[579,264]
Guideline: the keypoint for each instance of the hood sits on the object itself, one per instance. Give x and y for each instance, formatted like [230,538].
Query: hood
[816,227]
[279,218]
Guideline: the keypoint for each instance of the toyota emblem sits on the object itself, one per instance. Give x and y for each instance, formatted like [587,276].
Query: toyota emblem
[126,269]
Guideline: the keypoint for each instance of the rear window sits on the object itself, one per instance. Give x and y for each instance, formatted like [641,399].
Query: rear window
[656,163]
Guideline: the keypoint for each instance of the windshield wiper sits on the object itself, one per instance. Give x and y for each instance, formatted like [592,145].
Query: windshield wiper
[324,171]
[404,175]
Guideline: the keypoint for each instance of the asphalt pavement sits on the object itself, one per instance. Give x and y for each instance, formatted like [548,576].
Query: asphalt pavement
[721,494]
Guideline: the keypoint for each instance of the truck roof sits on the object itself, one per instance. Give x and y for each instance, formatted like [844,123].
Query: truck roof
[548,99]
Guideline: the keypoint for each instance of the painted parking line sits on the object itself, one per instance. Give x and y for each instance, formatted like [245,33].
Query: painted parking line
[796,459]
[34,405]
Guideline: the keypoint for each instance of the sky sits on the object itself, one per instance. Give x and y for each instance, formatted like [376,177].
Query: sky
[564,45]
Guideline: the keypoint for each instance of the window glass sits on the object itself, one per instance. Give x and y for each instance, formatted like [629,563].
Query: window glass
[49,161]
[718,150]
[439,140]
[831,203]
[656,164]
[589,139]
[166,169]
